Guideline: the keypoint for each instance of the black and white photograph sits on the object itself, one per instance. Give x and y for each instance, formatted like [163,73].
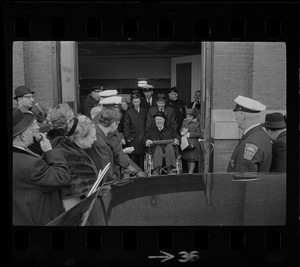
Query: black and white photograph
[149,133]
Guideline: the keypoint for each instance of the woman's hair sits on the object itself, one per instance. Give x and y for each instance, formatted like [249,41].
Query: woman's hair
[108,116]
[60,115]
[40,112]
[83,128]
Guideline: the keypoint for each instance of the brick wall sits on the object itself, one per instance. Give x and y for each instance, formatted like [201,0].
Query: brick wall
[38,62]
[269,74]
[256,70]
[232,66]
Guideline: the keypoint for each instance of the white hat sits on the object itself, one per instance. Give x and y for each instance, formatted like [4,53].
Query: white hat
[112,101]
[248,105]
[107,93]
[147,87]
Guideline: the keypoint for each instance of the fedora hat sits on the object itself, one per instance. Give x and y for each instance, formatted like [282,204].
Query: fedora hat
[274,121]
[22,90]
[21,121]
[159,114]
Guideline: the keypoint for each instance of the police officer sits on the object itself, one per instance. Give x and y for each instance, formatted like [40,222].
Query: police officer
[91,100]
[254,151]
[276,129]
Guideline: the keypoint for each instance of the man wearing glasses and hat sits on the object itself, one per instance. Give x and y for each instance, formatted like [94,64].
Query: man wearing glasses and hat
[276,129]
[25,99]
[254,151]
[91,100]
[36,199]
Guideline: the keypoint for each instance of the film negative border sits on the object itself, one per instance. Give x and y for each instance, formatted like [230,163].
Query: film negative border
[275,22]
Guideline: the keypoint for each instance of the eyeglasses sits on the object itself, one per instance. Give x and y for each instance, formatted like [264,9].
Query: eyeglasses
[29,96]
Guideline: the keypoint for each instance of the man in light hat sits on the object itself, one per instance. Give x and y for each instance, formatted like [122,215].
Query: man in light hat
[177,105]
[161,106]
[36,200]
[254,151]
[276,129]
[161,132]
[25,98]
[148,101]
[91,100]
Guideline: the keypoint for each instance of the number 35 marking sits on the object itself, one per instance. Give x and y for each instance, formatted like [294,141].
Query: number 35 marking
[186,256]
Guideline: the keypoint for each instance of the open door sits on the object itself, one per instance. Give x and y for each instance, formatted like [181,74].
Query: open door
[189,74]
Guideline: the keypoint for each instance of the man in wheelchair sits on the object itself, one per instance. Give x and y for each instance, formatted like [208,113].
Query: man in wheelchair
[162,140]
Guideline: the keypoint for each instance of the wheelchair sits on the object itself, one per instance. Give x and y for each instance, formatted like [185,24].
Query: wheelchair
[148,160]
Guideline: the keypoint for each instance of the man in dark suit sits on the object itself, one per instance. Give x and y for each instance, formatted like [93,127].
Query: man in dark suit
[134,130]
[148,101]
[161,106]
[36,181]
[254,151]
[160,132]
[196,105]
[276,129]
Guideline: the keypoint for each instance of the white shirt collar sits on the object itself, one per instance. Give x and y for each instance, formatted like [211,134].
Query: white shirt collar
[19,147]
[247,130]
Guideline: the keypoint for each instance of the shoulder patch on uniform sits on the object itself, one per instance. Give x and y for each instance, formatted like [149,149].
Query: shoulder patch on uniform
[250,150]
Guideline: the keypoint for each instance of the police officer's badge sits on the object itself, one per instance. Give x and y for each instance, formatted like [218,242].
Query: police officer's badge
[250,150]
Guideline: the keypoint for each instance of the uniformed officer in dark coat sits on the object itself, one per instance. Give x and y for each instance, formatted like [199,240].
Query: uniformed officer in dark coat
[254,151]
[276,129]
[92,100]
[177,105]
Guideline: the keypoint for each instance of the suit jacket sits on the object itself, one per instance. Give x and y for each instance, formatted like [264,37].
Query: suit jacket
[36,184]
[146,105]
[279,154]
[169,113]
[253,153]
[134,128]
[102,153]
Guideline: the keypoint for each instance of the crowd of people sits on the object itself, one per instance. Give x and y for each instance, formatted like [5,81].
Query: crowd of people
[58,153]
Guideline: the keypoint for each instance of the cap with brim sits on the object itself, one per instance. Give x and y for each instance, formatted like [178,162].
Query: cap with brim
[274,121]
[173,90]
[21,121]
[147,87]
[97,89]
[112,101]
[108,93]
[248,105]
[159,114]
[22,90]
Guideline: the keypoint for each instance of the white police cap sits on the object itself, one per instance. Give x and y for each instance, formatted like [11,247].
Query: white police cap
[108,93]
[248,105]
[111,101]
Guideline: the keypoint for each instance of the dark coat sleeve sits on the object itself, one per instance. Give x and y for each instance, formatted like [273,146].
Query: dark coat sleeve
[126,125]
[279,157]
[51,172]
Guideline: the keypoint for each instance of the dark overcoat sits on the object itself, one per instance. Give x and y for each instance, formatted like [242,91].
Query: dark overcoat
[36,184]
[146,105]
[134,128]
[279,154]
[88,104]
[253,153]
[102,153]
[195,133]
[169,113]
[178,109]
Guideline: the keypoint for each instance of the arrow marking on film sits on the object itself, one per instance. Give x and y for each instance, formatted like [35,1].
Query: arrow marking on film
[166,257]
